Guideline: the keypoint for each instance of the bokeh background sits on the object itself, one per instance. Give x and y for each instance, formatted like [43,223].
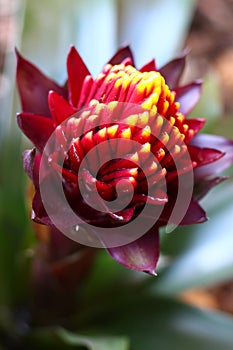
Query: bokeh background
[197,263]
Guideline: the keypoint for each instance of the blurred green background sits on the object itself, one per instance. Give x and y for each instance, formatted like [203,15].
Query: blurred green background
[120,309]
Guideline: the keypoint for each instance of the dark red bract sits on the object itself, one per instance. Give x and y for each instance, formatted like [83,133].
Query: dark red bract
[123,106]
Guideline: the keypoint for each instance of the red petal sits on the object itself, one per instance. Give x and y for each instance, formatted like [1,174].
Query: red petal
[77,71]
[195,124]
[68,175]
[36,127]
[59,212]
[203,156]
[59,107]
[188,96]
[34,87]
[194,215]
[121,55]
[202,187]
[127,214]
[159,198]
[28,161]
[122,216]
[37,173]
[222,144]
[38,211]
[141,255]
[173,70]
[148,67]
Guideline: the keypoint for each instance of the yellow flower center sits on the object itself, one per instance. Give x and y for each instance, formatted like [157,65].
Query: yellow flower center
[124,83]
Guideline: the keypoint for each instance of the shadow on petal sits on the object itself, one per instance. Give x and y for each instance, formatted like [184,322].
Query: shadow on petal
[140,255]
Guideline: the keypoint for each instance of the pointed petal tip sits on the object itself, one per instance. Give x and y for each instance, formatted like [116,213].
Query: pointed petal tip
[122,53]
[202,220]
[17,52]
[51,94]
[72,51]
[125,45]
[18,119]
[188,95]
[72,47]
[141,255]
[21,59]
[151,273]
[198,81]
[77,71]
[33,215]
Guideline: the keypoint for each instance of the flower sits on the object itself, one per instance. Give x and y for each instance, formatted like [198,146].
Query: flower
[122,106]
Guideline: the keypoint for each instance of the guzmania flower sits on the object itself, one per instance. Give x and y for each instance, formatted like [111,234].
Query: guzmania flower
[140,118]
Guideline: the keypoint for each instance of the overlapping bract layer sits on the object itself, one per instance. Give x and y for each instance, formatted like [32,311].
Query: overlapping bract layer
[127,106]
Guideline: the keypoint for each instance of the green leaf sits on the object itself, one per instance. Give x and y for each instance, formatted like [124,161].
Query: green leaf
[114,274]
[94,343]
[14,222]
[159,323]
[60,338]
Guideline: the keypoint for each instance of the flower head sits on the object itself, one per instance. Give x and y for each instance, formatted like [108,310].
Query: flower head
[120,151]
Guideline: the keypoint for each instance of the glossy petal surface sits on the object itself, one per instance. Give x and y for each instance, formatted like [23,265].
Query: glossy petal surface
[36,127]
[141,255]
[34,87]
[77,71]
[100,119]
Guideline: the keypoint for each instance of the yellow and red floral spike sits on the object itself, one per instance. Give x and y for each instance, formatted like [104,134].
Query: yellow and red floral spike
[135,120]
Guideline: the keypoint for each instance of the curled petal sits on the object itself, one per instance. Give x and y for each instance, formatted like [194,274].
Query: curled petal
[34,87]
[220,143]
[203,156]
[188,96]
[141,255]
[39,214]
[38,175]
[121,55]
[77,71]
[173,70]
[36,127]
[28,161]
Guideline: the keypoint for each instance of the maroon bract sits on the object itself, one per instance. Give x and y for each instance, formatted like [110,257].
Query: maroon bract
[122,106]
